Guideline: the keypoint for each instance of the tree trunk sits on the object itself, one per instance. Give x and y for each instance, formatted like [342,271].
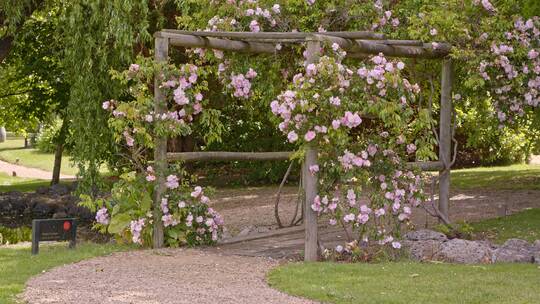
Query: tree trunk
[60,141]
[3,134]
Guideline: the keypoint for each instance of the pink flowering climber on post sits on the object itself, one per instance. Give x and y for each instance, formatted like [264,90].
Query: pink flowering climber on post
[172,182]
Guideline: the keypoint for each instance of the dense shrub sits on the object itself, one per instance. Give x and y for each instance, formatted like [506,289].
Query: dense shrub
[46,137]
[15,235]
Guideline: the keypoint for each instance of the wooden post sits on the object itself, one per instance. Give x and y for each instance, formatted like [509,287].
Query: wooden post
[445,135]
[160,151]
[310,180]
[310,216]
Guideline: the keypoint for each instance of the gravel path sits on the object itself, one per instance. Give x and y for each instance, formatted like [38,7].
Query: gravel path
[171,276]
[23,171]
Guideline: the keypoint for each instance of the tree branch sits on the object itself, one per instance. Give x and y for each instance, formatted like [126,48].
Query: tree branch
[14,93]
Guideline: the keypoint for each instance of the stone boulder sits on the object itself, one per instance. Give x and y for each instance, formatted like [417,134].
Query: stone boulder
[425,235]
[514,251]
[425,250]
[464,252]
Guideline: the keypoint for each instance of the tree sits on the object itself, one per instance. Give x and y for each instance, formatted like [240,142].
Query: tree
[36,91]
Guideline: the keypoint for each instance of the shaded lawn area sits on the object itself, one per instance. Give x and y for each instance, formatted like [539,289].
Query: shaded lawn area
[514,177]
[409,282]
[523,225]
[13,149]
[10,183]
[17,265]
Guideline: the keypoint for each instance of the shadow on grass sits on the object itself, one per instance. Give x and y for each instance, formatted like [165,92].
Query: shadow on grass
[28,186]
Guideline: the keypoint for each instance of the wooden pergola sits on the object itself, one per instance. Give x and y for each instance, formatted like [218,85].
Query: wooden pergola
[357,44]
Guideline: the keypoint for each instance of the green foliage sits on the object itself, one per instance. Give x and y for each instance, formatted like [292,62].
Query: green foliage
[45,139]
[459,229]
[99,36]
[404,283]
[15,235]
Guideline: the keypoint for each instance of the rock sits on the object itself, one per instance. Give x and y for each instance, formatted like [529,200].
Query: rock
[517,244]
[424,235]
[42,210]
[464,252]
[507,255]
[262,229]
[536,245]
[59,189]
[536,256]
[59,215]
[514,251]
[245,231]
[42,190]
[422,250]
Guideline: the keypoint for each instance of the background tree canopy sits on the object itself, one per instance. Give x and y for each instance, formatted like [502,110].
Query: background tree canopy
[59,54]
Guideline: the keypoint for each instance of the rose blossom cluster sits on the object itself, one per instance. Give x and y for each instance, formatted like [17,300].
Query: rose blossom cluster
[400,189]
[513,72]
[102,216]
[181,87]
[242,84]
[386,17]
[136,227]
[318,106]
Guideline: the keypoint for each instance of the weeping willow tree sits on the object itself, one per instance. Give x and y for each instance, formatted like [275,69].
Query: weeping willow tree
[99,35]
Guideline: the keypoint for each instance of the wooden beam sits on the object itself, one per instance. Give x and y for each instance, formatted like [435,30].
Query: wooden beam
[390,48]
[228,156]
[445,135]
[264,156]
[426,166]
[426,50]
[309,180]
[275,35]
[160,151]
[191,41]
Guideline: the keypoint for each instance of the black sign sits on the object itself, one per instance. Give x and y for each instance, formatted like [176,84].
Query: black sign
[53,230]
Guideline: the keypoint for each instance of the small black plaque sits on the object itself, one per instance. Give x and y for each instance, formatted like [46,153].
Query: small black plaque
[53,230]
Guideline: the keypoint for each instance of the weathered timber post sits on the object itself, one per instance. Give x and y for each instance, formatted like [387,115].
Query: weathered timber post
[445,135]
[160,151]
[310,180]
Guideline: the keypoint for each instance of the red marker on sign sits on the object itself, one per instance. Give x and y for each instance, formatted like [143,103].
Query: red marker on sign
[67,226]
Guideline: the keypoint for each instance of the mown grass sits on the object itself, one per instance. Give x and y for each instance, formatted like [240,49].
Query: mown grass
[409,282]
[13,149]
[514,177]
[10,183]
[17,265]
[522,225]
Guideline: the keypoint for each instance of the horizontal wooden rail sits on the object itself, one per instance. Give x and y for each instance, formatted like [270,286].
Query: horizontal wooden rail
[272,35]
[426,165]
[391,48]
[228,156]
[261,156]
[355,43]
[192,41]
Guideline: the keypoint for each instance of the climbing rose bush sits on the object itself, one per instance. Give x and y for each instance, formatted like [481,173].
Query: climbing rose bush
[512,71]
[366,123]
[128,213]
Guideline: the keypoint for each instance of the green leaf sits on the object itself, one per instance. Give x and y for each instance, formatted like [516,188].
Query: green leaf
[119,223]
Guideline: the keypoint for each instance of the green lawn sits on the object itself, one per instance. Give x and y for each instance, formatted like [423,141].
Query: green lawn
[523,225]
[515,177]
[9,183]
[17,265]
[408,282]
[13,149]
